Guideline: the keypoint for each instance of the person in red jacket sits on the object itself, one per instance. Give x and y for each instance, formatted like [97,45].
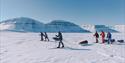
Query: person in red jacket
[96,36]
[103,36]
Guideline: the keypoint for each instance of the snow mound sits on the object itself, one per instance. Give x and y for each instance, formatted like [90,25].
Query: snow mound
[63,26]
[4,26]
[31,25]
[120,28]
[99,28]
[104,28]
[21,24]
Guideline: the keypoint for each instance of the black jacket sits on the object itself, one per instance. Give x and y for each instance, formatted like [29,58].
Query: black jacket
[60,36]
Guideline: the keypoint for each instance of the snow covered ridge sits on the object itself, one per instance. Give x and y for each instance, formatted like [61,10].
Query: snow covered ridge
[24,24]
[120,28]
[31,25]
[21,24]
[106,28]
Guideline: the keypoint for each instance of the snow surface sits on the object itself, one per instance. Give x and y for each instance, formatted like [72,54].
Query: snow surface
[16,47]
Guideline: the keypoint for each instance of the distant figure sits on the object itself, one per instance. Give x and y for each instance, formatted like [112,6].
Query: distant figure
[41,34]
[109,36]
[60,39]
[103,36]
[46,37]
[96,36]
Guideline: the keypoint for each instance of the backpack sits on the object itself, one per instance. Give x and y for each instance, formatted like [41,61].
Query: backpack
[97,35]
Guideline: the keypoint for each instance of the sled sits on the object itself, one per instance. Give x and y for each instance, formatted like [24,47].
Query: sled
[112,40]
[56,38]
[120,41]
[84,43]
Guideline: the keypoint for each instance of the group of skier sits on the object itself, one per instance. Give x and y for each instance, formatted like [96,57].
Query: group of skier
[109,36]
[59,37]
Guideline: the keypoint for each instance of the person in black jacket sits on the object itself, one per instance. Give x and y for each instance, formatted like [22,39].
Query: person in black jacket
[46,36]
[60,39]
[42,35]
[96,36]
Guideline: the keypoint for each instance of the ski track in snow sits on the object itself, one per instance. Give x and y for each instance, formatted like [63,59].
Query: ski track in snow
[27,48]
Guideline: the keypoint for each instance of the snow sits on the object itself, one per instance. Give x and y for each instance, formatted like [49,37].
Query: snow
[120,28]
[3,26]
[64,26]
[89,27]
[106,28]
[18,47]
[24,24]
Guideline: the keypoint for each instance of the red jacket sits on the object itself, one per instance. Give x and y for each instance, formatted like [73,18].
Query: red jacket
[102,34]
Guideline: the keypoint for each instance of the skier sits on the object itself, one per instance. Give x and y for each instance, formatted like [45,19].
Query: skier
[109,36]
[96,36]
[60,39]
[46,36]
[103,36]
[41,34]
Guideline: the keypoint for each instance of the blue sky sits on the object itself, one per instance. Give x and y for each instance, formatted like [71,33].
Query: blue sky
[77,11]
